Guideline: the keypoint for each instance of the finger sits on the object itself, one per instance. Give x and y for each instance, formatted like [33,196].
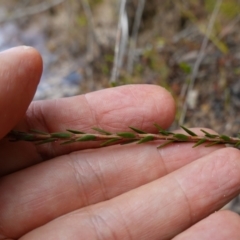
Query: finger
[20,71]
[158,210]
[221,225]
[113,109]
[84,178]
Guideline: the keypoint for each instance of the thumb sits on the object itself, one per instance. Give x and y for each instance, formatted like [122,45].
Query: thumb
[20,72]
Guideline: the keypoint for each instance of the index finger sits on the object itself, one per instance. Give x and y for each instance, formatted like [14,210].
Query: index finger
[113,109]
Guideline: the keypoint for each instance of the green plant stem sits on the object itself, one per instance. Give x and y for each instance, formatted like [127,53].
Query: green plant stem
[106,138]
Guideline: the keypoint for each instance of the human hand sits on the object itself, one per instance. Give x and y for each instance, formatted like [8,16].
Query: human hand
[118,192]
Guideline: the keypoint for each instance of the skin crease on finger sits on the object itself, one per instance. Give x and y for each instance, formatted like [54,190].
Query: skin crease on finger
[158,210]
[222,225]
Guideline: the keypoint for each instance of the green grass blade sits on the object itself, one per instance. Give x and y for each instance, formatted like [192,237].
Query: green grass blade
[68,142]
[75,131]
[180,136]
[102,131]
[201,141]
[61,135]
[128,142]
[225,138]
[212,144]
[146,139]
[162,131]
[137,130]
[40,132]
[84,138]
[188,131]
[165,144]
[209,135]
[126,134]
[109,142]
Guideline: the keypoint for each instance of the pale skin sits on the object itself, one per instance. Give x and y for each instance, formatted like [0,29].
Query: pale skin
[119,192]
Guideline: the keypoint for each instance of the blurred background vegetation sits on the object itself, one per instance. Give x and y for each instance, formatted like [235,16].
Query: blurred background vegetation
[190,47]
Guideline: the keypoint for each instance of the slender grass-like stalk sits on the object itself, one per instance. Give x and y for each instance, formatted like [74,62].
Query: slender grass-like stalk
[138,136]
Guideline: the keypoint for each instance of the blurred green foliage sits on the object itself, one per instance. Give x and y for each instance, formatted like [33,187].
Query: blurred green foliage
[185,67]
[229,8]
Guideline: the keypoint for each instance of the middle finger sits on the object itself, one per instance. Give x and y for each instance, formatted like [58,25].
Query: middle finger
[70,182]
